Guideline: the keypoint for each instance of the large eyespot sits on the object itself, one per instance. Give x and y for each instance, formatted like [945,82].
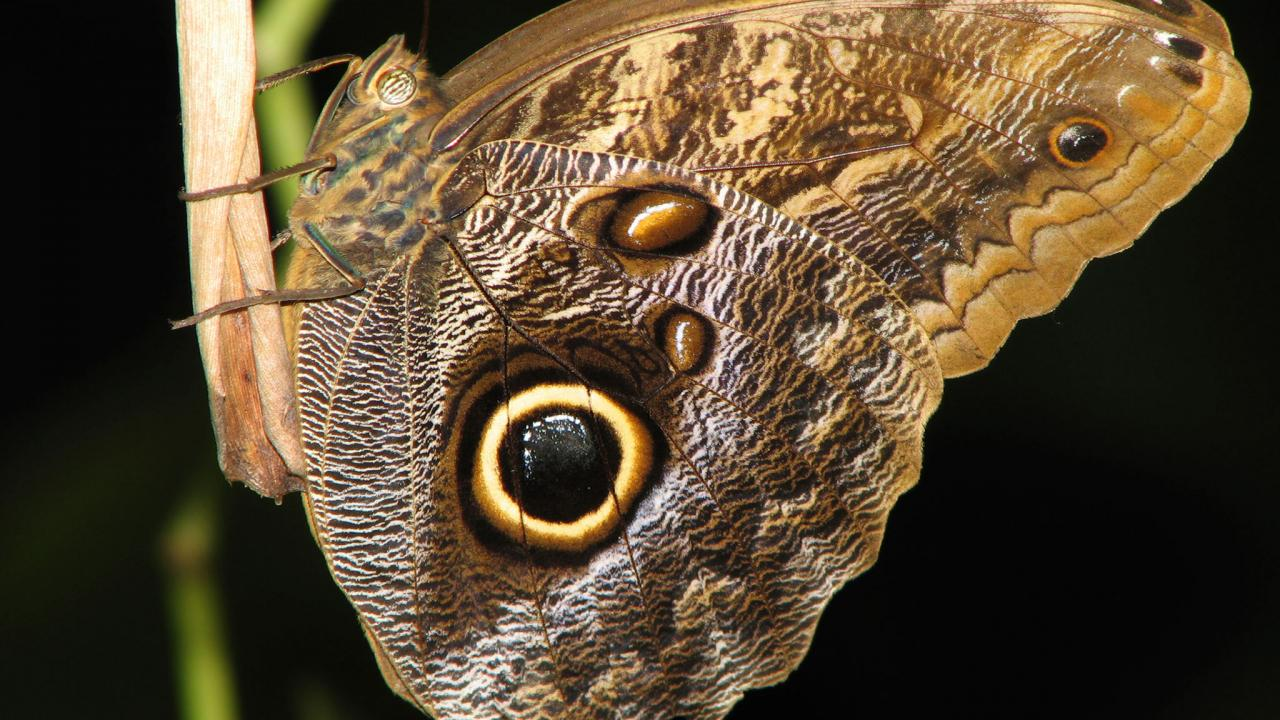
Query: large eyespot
[558,466]
[397,86]
[1075,142]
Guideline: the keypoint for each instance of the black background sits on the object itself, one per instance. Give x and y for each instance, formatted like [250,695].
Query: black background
[1094,534]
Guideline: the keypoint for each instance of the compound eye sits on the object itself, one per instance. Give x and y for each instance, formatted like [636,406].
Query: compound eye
[397,86]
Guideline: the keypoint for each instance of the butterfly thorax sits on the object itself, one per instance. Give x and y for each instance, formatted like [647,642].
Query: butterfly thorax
[369,206]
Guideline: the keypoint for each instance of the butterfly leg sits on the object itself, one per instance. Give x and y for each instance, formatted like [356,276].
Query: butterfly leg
[327,251]
[260,182]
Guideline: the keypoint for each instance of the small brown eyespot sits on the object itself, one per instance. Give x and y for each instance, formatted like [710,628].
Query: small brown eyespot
[1076,142]
[654,220]
[685,338]
[397,86]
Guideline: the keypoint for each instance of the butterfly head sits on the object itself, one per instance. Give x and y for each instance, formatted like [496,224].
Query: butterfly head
[392,86]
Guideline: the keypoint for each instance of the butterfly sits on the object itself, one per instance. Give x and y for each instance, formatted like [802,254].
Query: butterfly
[649,304]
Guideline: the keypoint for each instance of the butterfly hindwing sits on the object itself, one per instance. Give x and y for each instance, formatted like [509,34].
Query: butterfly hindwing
[776,455]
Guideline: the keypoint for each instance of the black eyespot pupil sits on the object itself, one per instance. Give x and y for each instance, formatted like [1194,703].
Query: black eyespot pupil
[1082,142]
[557,464]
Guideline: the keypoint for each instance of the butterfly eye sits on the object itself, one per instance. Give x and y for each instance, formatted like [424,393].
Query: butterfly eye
[654,220]
[558,467]
[397,86]
[1076,142]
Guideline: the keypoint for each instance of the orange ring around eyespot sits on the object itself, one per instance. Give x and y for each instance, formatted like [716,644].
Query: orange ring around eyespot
[1070,122]
[496,505]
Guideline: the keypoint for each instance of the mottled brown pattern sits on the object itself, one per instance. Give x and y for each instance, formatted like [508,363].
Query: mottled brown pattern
[883,201]
[887,128]
[758,528]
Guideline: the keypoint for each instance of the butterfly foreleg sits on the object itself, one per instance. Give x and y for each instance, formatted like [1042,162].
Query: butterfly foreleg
[355,283]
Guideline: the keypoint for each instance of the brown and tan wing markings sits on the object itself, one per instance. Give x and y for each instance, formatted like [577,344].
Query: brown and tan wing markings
[466,601]
[756,330]
[795,400]
[368,536]
[364,393]
[941,241]
[690,273]
[591,687]
[555,290]
[1173,106]
[986,116]
[750,557]
[535,673]
[808,266]
[879,191]
[962,56]
[761,656]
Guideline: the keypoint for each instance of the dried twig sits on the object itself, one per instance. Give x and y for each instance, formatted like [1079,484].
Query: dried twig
[245,358]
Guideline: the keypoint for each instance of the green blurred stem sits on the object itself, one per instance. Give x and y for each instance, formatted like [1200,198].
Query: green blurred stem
[286,113]
[206,681]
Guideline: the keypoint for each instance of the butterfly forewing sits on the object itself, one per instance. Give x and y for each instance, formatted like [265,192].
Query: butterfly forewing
[921,137]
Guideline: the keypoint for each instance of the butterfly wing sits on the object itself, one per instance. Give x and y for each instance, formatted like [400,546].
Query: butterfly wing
[776,455]
[974,154]
[720,257]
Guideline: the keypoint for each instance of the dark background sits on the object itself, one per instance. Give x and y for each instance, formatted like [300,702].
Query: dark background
[1094,534]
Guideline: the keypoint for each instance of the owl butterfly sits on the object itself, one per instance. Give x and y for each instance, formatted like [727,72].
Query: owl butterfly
[657,298]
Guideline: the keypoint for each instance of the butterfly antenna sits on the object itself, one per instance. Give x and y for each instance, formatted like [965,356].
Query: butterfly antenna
[422,39]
